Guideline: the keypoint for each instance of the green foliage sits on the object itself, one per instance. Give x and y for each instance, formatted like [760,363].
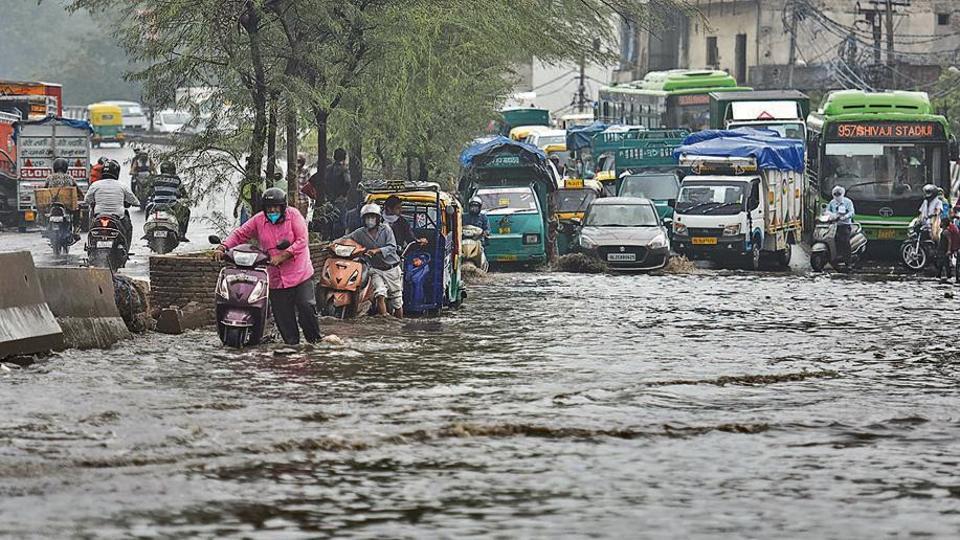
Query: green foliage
[946,98]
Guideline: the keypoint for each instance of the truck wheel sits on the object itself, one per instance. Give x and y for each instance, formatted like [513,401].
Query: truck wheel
[752,260]
[783,258]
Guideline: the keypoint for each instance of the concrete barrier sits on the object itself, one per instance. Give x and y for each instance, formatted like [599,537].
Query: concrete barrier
[26,323]
[82,300]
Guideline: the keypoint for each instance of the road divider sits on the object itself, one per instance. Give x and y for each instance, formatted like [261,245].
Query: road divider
[27,325]
[82,300]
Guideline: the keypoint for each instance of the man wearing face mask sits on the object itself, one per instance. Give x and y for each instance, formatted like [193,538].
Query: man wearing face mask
[842,208]
[292,293]
[381,246]
[402,231]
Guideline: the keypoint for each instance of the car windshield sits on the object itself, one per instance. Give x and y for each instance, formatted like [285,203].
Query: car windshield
[175,118]
[517,199]
[544,140]
[709,197]
[574,200]
[132,110]
[881,172]
[657,187]
[621,215]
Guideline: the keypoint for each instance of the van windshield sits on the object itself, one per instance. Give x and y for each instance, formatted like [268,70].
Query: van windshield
[508,199]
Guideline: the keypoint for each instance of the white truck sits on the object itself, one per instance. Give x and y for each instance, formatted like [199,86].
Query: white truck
[741,207]
[39,142]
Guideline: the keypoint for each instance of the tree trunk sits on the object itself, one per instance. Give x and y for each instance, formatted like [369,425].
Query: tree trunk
[424,173]
[293,187]
[320,116]
[409,168]
[258,92]
[272,141]
[355,151]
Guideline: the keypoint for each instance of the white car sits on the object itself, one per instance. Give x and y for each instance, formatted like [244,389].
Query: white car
[171,121]
[133,115]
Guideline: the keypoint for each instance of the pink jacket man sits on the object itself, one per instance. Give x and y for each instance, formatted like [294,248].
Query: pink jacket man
[293,228]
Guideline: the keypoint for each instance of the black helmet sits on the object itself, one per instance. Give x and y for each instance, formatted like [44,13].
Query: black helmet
[60,165]
[274,197]
[111,169]
[168,168]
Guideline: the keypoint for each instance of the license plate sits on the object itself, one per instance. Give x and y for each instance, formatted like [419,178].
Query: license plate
[160,234]
[506,257]
[703,241]
[886,234]
[56,219]
[622,257]
[503,230]
[105,244]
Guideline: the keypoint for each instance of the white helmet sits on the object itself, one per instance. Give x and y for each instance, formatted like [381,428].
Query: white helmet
[370,208]
[476,200]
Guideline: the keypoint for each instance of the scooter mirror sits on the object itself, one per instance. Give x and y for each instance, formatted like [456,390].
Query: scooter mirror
[284,244]
[214,239]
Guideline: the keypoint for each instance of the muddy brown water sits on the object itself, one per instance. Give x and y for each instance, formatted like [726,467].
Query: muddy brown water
[711,405]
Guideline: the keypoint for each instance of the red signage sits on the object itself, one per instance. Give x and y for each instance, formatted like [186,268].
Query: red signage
[887,130]
[694,99]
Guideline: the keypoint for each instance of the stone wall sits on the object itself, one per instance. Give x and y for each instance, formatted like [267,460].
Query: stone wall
[179,279]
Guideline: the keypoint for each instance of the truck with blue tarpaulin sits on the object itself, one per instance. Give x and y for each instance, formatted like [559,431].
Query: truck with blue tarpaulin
[743,200]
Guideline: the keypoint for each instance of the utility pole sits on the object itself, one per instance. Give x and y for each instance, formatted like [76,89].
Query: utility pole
[582,89]
[792,60]
[890,59]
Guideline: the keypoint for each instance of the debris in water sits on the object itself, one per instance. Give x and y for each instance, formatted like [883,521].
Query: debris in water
[471,273]
[580,263]
[332,339]
[948,294]
[284,351]
[678,264]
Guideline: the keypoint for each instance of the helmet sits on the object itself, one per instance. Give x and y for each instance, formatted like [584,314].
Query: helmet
[370,208]
[930,190]
[168,168]
[60,165]
[475,201]
[838,191]
[274,197]
[940,191]
[111,169]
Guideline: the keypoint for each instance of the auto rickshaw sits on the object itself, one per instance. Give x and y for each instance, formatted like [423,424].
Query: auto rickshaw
[571,204]
[107,123]
[431,273]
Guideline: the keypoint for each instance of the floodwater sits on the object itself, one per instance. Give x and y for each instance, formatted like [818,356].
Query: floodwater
[710,405]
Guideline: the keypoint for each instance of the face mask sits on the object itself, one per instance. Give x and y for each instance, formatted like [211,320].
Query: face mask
[370,222]
[390,218]
[474,210]
[273,217]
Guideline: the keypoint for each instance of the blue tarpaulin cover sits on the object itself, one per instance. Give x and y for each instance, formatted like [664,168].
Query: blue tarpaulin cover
[580,136]
[770,150]
[473,154]
[81,124]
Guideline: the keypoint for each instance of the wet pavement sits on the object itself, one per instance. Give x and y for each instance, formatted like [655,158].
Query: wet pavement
[709,405]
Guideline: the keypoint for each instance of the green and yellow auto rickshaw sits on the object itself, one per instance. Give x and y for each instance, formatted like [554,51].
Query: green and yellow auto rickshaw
[431,273]
[107,123]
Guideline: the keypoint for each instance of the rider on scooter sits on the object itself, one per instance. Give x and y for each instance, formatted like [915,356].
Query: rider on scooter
[381,245]
[109,196]
[292,292]
[167,188]
[930,211]
[475,217]
[842,208]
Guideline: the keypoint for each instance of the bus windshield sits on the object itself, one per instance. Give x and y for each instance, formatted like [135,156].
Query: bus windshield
[689,111]
[881,172]
[657,187]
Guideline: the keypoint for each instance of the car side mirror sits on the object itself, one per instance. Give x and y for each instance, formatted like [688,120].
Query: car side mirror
[214,239]
[672,203]
[284,244]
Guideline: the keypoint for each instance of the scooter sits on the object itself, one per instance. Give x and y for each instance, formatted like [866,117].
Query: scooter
[824,248]
[161,230]
[472,247]
[243,295]
[107,245]
[60,229]
[139,185]
[919,249]
[345,288]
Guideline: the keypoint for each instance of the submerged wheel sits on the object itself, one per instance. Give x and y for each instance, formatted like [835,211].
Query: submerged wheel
[783,258]
[57,248]
[234,337]
[818,261]
[752,260]
[913,257]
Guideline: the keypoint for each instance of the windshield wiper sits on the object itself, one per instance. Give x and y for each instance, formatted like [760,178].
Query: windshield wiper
[692,207]
[720,206]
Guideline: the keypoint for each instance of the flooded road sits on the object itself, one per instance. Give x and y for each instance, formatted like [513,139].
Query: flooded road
[704,406]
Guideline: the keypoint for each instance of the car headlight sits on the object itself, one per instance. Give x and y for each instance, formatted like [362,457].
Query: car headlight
[258,292]
[587,243]
[679,228]
[659,241]
[731,230]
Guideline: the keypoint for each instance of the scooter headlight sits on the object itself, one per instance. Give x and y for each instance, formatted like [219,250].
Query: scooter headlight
[354,276]
[258,293]
[222,289]
[244,258]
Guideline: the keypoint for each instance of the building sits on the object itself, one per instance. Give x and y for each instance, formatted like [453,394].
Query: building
[804,43]
[556,86]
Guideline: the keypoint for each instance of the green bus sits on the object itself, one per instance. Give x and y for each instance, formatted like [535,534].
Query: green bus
[678,98]
[882,147]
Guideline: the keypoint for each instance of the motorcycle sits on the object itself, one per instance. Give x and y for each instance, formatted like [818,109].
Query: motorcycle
[243,295]
[140,186]
[918,250]
[472,247]
[107,245]
[824,248]
[161,230]
[59,229]
[345,289]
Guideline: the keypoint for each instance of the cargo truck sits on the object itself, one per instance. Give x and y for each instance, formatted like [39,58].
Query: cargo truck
[743,199]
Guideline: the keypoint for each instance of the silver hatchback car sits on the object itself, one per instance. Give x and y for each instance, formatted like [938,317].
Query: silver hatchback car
[626,233]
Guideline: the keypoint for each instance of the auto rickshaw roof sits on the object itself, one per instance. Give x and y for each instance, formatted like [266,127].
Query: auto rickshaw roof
[416,192]
[104,108]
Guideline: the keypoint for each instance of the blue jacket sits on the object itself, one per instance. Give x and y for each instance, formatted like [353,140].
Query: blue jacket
[476,220]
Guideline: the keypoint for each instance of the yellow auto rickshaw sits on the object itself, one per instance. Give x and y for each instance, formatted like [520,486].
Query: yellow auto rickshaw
[520,133]
[571,202]
[107,123]
[431,272]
